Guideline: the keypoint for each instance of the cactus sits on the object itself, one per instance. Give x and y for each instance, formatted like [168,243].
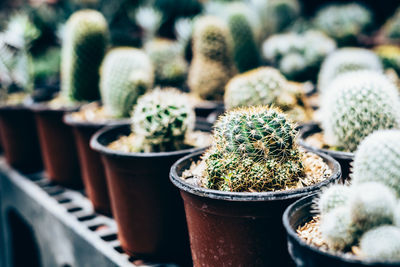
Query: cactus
[345,60]
[381,244]
[298,54]
[169,64]
[212,64]
[378,159]
[84,45]
[390,56]
[344,22]
[161,119]
[331,198]
[254,149]
[149,19]
[355,105]
[126,73]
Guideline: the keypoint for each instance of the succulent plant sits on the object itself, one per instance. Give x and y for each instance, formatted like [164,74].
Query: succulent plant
[169,64]
[126,73]
[47,66]
[344,22]
[212,65]
[390,56]
[378,159]
[345,60]
[331,198]
[297,55]
[254,149]
[355,105]
[161,119]
[84,45]
[149,19]
[381,244]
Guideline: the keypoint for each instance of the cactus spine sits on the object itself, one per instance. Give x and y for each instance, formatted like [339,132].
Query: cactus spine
[381,244]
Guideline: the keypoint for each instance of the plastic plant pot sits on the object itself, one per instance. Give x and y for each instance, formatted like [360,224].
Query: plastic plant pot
[146,206]
[92,170]
[57,145]
[208,107]
[304,254]
[344,158]
[19,138]
[237,228]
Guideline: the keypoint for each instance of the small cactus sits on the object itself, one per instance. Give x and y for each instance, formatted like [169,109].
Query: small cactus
[381,244]
[126,73]
[346,60]
[83,48]
[344,22]
[161,119]
[254,149]
[212,65]
[355,105]
[378,159]
[331,198]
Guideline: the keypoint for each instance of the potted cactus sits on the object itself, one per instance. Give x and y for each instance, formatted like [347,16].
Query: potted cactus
[353,225]
[235,193]
[354,105]
[137,160]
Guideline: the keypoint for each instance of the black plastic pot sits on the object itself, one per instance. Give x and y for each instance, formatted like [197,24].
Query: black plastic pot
[304,254]
[146,206]
[344,158]
[238,229]
[208,107]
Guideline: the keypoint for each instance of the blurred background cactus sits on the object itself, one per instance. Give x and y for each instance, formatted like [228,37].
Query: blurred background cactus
[391,29]
[390,56]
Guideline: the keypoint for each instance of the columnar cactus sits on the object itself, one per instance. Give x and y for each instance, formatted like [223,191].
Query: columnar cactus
[126,73]
[355,105]
[378,159]
[212,64]
[381,244]
[83,48]
[254,149]
[345,60]
[161,119]
[344,22]
[169,64]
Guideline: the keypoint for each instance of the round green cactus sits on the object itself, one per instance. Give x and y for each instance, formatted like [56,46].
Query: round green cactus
[83,48]
[254,149]
[161,119]
[346,60]
[355,105]
[344,22]
[381,244]
[331,198]
[126,73]
[378,159]
[212,64]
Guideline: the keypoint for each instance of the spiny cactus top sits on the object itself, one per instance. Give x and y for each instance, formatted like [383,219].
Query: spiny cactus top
[381,244]
[161,119]
[331,198]
[84,45]
[261,86]
[378,159]
[343,22]
[254,149]
[355,105]
[126,73]
[345,60]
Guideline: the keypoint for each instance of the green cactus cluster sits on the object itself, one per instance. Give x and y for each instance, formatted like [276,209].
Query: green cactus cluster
[170,67]
[357,104]
[346,60]
[253,149]
[126,74]
[298,56]
[344,22]
[212,65]
[390,56]
[161,119]
[84,45]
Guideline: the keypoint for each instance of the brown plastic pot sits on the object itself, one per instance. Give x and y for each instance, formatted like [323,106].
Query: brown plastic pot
[92,170]
[146,206]
[304,254]
[236,228]
[57,145]
[344,158]
[19,138]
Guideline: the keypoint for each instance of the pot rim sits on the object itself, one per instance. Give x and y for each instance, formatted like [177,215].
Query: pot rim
[299,204]
[210,104]
[69,120]
[97,146]
[312,127]
[20,106]
[251,196]
[44,107]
